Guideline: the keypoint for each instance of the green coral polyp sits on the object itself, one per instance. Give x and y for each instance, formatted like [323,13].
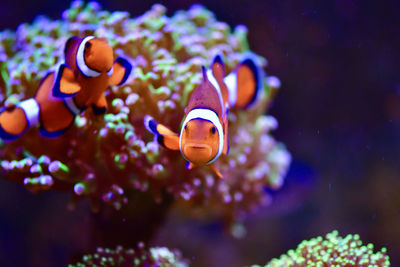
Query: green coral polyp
[333,250]
[140,256]
[104,152]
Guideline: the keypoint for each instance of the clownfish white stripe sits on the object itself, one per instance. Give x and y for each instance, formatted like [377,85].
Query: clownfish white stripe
[80,59]
[205,114]
[56,70]
[231,83]
[214,82]
[110,72]
[69,102]
[31,109]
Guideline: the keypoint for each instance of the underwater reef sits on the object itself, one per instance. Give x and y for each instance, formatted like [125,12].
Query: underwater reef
[113,162]
[333,250]
[100,158]
[141,257]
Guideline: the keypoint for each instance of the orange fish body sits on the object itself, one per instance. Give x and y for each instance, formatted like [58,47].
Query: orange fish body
[204,132]
[73,86]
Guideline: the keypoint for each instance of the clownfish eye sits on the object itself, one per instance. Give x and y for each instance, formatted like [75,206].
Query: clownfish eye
[213,130]
[185,127]
[80,59]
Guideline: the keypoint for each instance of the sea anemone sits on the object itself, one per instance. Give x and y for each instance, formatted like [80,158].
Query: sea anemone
[334,250]
[102,157]
[140,257]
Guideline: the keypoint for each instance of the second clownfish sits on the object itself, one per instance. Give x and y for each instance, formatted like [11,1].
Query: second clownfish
[62,94]
[204,132]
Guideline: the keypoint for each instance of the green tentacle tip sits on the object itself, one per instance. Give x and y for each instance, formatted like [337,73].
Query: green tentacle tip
[240,32]
[332,251]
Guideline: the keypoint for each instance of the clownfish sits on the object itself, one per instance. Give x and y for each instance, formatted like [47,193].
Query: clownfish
[204,131]
[74,85]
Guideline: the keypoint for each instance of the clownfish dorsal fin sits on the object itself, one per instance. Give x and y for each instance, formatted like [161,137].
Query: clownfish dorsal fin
[204,70]
[218,67]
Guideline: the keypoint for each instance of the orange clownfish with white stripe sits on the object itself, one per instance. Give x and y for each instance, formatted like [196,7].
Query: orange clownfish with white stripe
[204,132]
[64,93]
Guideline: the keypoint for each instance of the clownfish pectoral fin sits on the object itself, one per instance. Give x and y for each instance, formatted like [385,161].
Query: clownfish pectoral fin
[190,165]
[150,124]
[64,84]
[244,83]
[15,121]
[165,137]
[156,128]
[218,67]
[216,171]
[100,106]
[169,141]
[121,71]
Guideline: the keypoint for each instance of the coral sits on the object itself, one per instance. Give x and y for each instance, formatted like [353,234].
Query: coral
[101,158]
[332,251]
[141,256]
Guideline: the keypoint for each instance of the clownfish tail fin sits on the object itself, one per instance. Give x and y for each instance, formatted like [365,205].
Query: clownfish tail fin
[15,121]
[244,83]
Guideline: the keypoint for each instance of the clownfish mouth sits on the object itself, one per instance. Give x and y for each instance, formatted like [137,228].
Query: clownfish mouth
[197,153]
[197,146]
